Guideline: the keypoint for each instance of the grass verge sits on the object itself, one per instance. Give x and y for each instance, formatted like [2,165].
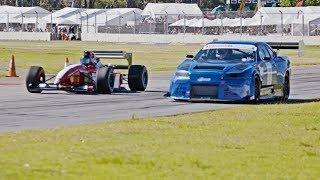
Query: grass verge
[255,142]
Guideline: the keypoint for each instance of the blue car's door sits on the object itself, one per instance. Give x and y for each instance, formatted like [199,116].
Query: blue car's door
[273,57]
[266,67]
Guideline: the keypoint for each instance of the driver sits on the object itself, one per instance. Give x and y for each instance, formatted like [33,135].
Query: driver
[89,58]
[224,53]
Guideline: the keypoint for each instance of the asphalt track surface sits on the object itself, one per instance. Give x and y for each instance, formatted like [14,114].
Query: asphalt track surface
[20,110]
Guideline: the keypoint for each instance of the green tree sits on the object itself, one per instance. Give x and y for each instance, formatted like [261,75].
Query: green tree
[110,4]
[287,3]
[312,2]
[8,2]
[210,4]
[45,4]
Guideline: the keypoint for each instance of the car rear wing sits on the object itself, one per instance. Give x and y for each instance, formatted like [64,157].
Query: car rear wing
[115,55]
[288,45]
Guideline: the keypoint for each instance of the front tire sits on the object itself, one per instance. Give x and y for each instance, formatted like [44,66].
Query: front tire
[105,80]
[138,78]
[35,76]
[257,90]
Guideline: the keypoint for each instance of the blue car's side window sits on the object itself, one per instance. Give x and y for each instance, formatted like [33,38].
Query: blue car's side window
[263,50]
[262,53]
[271,52]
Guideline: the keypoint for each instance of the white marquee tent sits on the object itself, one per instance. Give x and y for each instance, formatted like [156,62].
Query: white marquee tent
[173,11]
[25,15]
[288,15]
[153,9]
[203,23]
[90,19]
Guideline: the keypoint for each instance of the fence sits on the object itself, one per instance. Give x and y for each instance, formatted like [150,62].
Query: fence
[246,23]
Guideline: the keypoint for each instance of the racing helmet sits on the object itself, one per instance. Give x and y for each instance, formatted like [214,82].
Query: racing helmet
[223,53]
[87,57]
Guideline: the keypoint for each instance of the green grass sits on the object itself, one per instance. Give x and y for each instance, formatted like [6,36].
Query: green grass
[252,142]
[51,55]
[311,56]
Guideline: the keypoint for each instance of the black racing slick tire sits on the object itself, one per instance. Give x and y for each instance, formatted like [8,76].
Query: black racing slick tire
[257,90]
[137,78]
[105,80]
[285,89]
[35,76]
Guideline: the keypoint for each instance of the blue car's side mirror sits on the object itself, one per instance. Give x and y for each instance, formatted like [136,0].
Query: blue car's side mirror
[267,58]
[189,56]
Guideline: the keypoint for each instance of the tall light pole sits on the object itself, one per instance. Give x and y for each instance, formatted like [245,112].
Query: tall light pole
[36,25]
[135,19]
[106,13]
[7,24]
[302,19]
[150,21]
[87,21]
[80,19]
[95,22]
[166,25]
[281,16]
[261,16]
[184,22]
[22,22]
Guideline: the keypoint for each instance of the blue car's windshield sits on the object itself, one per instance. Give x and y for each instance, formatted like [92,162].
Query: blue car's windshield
[226,55]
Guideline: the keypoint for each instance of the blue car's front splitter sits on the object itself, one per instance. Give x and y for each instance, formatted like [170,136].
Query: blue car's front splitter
[224,92]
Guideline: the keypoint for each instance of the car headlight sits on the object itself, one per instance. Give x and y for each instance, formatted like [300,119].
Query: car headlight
[182,74]
[184,66]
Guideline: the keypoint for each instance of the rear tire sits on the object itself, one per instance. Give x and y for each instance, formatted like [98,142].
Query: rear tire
[138,78]
[105,80]
[35,76]
[285,90]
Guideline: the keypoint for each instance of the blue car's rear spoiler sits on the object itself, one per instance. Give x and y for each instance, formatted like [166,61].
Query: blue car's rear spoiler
[288,45]
[284,45]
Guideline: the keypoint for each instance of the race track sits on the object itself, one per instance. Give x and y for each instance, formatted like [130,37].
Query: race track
[21,110]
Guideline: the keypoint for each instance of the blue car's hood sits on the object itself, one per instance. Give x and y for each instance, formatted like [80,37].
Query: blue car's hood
[216,66]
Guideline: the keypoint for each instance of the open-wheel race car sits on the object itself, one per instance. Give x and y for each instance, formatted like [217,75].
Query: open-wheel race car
[91,75]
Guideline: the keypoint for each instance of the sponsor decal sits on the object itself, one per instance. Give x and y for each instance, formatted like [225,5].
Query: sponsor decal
[269,73]
[203,79]
[230,46]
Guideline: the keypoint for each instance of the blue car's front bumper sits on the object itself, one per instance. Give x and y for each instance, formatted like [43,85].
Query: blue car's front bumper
[212,89]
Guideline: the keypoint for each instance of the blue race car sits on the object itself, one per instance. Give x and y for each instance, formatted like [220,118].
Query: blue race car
[233,71]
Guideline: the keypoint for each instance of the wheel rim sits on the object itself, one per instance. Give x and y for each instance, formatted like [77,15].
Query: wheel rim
[42,78]
[145,78]
[33,86]
[111,81]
